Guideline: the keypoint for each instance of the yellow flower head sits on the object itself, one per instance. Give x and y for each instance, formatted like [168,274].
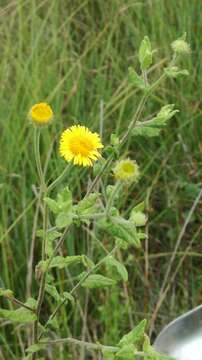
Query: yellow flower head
[79,145]
[126,170]
[41,114]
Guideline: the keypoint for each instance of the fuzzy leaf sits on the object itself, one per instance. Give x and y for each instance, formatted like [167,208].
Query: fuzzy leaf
[52,291]
[52,204]
[174,72]
[127,352]
[121,229]
[64,200]
[139,207]
[88,206]
[69,297]
[153,127]
[108,355]
[120,268]
[35,347]
[63,220]
[135,335]
[6,293]
[20,315]
[51,235]
[98,281]
[135,79]
[60,262]
[145,53]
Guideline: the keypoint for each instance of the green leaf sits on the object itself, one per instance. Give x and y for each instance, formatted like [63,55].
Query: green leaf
[139,207]
[145,53]
[98,281]
[52,204]
[62,204]
[36,347]
[87,262]
[51,290]
[127,352]
[67,296]
[120,268]
[153,127]
[20,315]
[51,235]
[135,79]
[63,220]
[7,293]
[114,140]
[88,206]
[53,323]
[138,217]
[174,72]
[135,335]
[122,229]
[60,262]
[31,302]
[108,355]
[64,200]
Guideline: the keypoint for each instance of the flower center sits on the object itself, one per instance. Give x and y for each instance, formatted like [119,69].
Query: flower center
[128,168]
[42,112]
[81,146]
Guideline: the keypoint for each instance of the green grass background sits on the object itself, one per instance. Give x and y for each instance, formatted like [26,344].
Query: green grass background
[75,55]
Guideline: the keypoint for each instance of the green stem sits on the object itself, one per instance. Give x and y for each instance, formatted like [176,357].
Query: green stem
[99,175]
[81,343]
[43,189]
[59,179]
[37,157]
[112,197]
[18,302]
[75,288]
[90,346]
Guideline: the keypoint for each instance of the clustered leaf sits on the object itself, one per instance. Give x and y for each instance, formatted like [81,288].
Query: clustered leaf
[62,207]
[174,72]
[88,206]
[135,79]
[7,293]
[52,291]
[51,235]
[123,230]
[126,352]
[111,262]
[153,127]
[134,336]
[96,281]
[145,53]
[61,262]
[21,315]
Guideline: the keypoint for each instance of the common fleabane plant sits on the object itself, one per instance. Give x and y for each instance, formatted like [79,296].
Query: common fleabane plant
[81,147]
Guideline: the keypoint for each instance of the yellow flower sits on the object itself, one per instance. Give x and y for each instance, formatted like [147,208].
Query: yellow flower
[41,113]
[79,145]
[126,170]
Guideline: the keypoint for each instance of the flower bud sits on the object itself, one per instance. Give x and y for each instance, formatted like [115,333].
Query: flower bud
[41,114]
[180,46]
[127,171]
[139,218]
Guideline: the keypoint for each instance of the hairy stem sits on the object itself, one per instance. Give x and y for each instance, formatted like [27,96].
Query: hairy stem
[75,288]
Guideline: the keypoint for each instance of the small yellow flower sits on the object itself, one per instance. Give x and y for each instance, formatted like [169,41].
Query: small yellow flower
[79,145]
[126,170]
[41,114]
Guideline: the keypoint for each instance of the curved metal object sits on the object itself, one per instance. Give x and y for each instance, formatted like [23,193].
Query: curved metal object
[182,338]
